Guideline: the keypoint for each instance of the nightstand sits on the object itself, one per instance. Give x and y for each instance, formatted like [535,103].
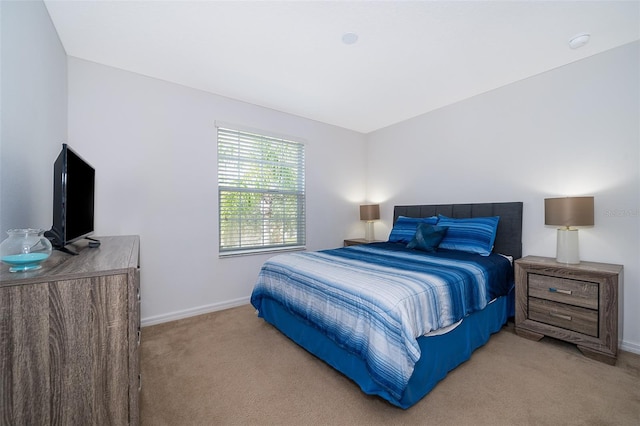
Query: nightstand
[575,303]
[356,241]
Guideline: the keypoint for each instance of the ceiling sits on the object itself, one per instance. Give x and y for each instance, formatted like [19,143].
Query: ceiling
[411,57]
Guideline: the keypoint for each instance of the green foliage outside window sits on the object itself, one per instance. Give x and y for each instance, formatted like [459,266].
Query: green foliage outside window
[261,191]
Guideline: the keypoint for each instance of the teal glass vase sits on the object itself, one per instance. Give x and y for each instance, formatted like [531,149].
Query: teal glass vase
[25,249]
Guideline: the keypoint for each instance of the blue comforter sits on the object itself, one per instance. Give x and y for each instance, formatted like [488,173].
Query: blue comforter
[375,300]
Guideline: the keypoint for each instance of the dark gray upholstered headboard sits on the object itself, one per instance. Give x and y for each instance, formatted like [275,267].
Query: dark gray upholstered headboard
[509,234]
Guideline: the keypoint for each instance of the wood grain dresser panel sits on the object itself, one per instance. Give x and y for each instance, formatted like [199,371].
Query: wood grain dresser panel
[569,291]
[69,333]
[24,355]
[577,303]
[572,318]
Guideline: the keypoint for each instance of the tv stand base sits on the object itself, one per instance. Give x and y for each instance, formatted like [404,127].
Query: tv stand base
[93,243]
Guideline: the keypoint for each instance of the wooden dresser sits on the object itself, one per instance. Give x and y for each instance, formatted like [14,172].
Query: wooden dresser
[576,303]
[70,336]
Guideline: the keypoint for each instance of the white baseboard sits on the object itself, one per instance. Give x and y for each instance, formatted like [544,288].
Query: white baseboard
[176,315]
[630,347]
[172,316]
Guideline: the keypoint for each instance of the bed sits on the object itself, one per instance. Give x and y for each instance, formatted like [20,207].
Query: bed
[393,319]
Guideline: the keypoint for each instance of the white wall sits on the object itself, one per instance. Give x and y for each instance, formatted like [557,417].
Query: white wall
[571,131]
[34,114]
[153,145]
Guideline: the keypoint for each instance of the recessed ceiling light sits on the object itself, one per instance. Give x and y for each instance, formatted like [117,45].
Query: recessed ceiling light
[349,38]
[579,40]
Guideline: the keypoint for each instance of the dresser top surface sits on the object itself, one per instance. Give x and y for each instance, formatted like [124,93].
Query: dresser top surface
[585,266]
[114,255]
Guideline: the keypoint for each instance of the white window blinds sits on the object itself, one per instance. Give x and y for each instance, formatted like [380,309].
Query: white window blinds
[261,192]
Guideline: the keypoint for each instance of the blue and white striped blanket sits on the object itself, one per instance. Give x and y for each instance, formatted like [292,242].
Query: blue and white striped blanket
[375,300]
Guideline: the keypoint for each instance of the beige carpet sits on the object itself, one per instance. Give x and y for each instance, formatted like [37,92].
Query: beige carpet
[231,368]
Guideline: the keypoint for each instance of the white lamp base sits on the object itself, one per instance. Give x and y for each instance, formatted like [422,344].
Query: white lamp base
[568,247]
[368,230]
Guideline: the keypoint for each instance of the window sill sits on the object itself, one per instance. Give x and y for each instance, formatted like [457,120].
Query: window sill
[252,252]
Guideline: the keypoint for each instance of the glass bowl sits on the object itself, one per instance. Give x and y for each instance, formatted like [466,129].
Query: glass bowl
[25,249]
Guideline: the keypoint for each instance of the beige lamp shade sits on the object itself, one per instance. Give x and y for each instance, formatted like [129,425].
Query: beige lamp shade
[568,211]
[370,212]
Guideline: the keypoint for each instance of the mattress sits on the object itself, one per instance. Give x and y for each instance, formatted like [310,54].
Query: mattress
[370,310]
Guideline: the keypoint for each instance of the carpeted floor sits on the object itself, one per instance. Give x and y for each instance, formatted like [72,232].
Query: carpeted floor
[231,368]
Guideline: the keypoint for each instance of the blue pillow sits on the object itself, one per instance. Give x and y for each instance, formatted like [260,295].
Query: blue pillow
[427,237]
[405,228]
[473,235]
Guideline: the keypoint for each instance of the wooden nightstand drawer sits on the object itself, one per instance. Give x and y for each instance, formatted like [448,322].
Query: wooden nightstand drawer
[575,303]
[572,318]
[573,292]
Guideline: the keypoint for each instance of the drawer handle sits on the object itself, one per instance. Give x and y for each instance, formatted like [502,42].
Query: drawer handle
[559,290]
[564,317]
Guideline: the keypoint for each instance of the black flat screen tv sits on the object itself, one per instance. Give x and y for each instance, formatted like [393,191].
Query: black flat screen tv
[73,199]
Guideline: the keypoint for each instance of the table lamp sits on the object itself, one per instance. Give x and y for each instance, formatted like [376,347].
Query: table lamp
[369,213]
[568,212]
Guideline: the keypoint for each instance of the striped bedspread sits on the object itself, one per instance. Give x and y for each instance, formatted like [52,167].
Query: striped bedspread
[375,300]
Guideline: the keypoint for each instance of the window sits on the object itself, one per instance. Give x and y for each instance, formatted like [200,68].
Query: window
[260,192]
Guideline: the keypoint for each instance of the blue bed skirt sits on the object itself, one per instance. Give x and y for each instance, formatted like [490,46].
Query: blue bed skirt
[440,354]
